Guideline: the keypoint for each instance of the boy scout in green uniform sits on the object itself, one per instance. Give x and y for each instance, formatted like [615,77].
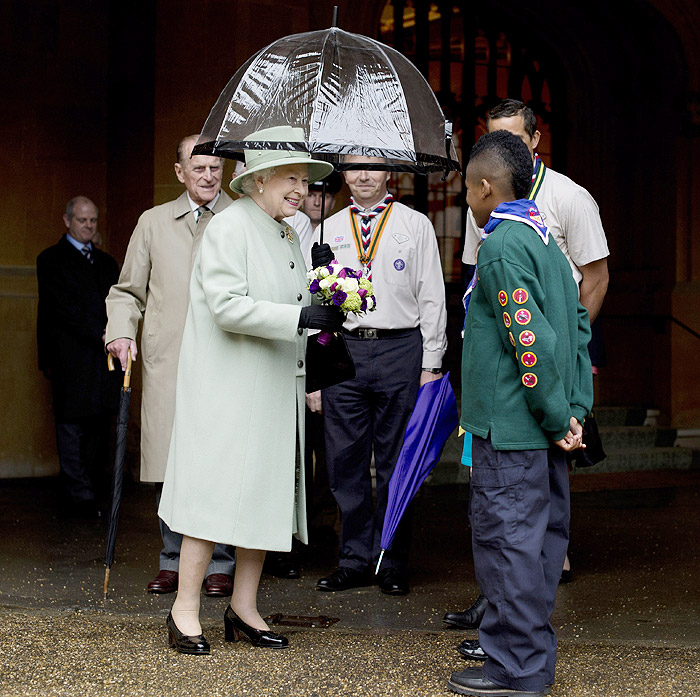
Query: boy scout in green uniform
[526,389]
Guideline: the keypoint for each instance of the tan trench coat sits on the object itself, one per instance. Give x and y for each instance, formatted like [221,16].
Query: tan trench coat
[233,474]
[154,284]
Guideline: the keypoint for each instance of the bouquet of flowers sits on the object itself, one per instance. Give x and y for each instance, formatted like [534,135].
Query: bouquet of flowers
[343,287]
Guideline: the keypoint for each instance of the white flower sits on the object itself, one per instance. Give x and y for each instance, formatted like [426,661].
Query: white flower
[348,285]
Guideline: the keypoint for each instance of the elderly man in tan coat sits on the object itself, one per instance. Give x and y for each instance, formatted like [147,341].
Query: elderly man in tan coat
[154,286]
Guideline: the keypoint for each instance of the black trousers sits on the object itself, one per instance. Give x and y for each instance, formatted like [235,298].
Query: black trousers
[365,416]
[82,454]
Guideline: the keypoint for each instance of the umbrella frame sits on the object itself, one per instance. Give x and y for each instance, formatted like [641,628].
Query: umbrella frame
[234,150]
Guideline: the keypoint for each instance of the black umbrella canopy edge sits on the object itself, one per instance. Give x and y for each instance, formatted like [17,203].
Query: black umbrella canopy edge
[423,162]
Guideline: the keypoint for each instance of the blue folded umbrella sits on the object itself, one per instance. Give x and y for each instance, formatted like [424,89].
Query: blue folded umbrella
[433,419]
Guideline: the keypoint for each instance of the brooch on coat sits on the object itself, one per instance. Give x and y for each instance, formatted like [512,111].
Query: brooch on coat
[288,232]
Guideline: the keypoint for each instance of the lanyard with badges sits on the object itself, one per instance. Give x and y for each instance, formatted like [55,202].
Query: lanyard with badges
[366,259]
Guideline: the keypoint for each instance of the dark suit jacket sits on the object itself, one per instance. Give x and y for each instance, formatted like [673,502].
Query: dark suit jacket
[70,324]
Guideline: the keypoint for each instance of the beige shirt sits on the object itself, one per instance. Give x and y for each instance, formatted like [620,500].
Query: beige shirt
[573,219]
[406,275]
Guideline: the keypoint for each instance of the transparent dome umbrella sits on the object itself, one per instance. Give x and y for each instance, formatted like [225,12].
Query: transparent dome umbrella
[350,94]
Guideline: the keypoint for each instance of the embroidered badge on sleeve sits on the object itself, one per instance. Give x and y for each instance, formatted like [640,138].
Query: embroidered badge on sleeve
[529,359]
[529,379]
[527,338]
[520,296]
[506,319]
[523,316]
[502,297]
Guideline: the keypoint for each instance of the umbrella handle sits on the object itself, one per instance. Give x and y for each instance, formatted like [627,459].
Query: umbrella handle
[127,372]
[379,563]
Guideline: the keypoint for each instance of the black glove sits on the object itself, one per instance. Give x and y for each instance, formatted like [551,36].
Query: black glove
[329,318]
[321,255]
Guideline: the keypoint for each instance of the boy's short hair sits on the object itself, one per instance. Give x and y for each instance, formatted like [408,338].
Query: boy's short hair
[501,155]
[514,107]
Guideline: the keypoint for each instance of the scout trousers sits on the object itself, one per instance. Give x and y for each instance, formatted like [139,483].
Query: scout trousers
[366,415]
[519,501]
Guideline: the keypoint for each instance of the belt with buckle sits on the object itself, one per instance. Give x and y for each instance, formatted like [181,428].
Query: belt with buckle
[367,333]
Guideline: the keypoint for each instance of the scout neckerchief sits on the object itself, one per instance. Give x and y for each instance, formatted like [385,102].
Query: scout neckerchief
[365,242]
[523,211]
[537,177]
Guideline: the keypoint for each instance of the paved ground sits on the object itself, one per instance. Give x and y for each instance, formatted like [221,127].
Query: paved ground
[628,624]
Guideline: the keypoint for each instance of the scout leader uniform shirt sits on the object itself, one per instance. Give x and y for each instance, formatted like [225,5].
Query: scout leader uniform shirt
[406,276]
[525,364]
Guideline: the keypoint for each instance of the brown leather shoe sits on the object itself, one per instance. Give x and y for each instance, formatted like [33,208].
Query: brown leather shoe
[164,582]
[218,585]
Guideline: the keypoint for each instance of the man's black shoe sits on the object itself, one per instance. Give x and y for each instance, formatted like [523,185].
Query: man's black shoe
[392,582]
[281,564]
[471,648]
[342,579]
[466,683]
[469,619]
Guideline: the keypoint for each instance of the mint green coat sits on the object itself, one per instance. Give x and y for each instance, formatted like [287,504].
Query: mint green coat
[233,474]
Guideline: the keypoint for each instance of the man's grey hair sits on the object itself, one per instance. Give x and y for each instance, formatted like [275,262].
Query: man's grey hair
[70,206]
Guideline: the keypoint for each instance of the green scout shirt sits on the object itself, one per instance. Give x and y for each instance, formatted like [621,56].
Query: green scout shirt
[525,363]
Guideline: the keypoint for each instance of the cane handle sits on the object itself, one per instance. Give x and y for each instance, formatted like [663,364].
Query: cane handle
[127,372]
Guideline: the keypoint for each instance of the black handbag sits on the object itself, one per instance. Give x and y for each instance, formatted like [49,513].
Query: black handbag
[327,364]
[593,453]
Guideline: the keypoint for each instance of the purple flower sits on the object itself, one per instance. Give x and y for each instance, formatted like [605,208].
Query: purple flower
[362,292]
[363,305]
[333,285]
[342,273]
[339,297]
[315,286]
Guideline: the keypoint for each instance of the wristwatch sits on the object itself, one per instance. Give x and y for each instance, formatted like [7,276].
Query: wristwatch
[434,371]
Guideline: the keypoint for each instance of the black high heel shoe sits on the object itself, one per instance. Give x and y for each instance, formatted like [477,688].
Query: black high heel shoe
[236,629]
[194,645]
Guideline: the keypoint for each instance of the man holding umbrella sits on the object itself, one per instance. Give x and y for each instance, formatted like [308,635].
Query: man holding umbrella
[154,285]
[396,348]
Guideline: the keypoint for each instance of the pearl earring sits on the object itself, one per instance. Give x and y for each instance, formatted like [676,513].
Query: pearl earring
[260,189]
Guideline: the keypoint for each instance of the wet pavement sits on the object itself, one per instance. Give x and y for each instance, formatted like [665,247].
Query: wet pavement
[629,623]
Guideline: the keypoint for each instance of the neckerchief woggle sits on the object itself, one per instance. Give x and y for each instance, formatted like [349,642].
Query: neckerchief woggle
[523,211]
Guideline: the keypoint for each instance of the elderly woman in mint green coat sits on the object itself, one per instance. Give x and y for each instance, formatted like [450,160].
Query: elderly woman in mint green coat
[234,473]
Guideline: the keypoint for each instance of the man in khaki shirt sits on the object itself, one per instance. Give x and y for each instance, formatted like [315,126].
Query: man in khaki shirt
[154,286]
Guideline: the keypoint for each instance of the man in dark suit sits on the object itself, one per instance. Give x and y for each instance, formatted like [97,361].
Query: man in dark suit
[74,279]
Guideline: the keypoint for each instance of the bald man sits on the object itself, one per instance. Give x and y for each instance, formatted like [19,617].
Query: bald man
[74,278]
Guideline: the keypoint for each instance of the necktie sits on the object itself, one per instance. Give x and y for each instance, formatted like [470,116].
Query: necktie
[202,210]
[88,254]
[366,225]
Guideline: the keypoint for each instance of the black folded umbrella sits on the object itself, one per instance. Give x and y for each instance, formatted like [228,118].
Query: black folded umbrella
[118,472]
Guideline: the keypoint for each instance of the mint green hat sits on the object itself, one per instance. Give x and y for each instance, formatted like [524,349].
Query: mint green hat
[256,160]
